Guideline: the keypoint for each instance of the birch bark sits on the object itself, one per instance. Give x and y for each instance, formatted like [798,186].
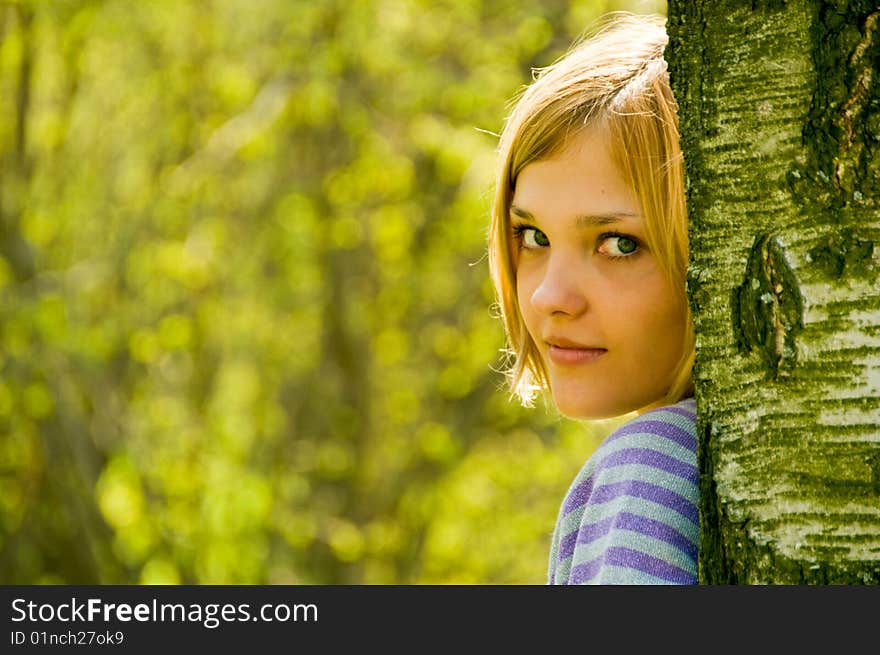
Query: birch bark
[780,121]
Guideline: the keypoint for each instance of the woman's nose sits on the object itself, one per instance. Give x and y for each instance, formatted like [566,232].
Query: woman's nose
[561,289]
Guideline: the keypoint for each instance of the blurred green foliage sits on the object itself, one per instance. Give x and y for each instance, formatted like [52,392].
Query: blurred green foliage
[246,331]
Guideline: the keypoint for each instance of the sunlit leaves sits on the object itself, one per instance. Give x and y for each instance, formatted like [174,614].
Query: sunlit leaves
[246,332]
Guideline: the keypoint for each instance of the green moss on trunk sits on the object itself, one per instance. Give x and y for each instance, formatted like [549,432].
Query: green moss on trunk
[780,109]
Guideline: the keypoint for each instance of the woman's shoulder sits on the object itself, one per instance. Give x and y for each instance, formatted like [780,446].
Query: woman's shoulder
[686,409]
[671,429]
[653,456]
[682,414]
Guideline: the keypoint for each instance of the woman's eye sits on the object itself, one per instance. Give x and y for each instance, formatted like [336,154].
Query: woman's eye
[617,245]
[531,237]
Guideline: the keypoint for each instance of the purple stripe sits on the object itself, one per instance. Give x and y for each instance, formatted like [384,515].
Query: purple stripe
[657,428]
[687,408]
[566,545]
[652,458]
[631,559]
[578,496]
[651,492]
[626,521]
[641,524]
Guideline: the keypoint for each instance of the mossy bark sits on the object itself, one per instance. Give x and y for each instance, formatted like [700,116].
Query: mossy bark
[780,120]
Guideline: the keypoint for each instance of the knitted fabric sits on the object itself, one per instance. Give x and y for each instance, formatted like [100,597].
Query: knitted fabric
[631,514]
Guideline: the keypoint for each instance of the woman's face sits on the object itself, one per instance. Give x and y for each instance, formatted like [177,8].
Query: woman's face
[606,322]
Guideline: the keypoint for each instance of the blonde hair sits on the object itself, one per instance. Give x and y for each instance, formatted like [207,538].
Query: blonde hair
[616,79]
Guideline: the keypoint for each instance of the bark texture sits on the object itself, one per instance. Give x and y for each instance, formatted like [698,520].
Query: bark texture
[780,121]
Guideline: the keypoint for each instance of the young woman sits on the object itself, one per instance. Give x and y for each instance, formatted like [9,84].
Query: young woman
[588,252]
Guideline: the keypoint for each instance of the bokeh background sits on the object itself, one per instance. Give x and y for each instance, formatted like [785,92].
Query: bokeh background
[246,324]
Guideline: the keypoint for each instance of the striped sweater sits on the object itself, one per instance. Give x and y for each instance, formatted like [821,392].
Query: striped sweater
[630,516]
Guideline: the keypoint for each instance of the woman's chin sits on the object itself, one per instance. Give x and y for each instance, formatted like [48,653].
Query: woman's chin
[582,408]
[583,405]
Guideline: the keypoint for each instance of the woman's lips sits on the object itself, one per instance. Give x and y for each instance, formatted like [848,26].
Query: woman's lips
[570,356]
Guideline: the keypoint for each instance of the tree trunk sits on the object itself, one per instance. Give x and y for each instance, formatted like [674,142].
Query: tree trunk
[780,121]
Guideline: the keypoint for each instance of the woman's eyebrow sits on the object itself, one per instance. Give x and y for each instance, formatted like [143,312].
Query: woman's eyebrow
[584,220]
[521,213]
[589,220]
